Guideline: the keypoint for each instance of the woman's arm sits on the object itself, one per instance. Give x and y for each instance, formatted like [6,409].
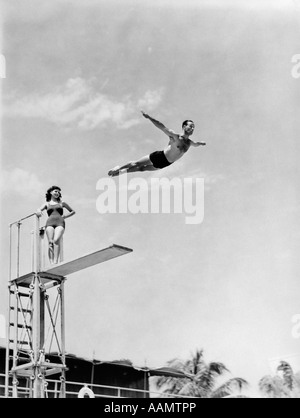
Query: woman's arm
[40,210]
[71,211]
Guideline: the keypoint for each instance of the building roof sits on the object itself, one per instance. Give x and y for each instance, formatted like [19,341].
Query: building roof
[161,371]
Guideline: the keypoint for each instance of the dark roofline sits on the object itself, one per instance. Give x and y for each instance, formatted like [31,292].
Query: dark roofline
[161,371]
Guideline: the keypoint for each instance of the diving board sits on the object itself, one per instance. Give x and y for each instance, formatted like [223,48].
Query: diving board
[89,260]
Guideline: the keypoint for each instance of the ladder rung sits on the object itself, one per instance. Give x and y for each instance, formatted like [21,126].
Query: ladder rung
[21,310]
[20,326]
[19,342]
[25,295]
[20,358]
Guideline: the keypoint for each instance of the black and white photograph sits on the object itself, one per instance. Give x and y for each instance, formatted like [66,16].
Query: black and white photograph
[150,201]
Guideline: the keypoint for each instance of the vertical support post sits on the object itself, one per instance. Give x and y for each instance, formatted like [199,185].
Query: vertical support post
[38,332]
[55,390]
[8,318]
[18,248]
[37,266]
[43,250]
[16,313]
[7,345]
[32,251]
[30,388]
[61,249]
[36,338]
[42,233]
[63,337]
[16,337]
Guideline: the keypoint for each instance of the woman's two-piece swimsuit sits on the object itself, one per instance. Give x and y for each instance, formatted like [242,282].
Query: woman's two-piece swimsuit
[55,213]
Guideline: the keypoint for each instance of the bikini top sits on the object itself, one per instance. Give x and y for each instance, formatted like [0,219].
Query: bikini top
[52,208]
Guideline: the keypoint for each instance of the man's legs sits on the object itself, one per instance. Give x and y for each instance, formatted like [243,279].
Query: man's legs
[144,164]
[142,168]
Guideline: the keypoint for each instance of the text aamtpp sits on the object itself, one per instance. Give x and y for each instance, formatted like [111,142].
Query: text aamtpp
[161,407]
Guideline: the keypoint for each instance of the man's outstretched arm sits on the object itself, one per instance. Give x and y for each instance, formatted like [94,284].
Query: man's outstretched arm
[197,144]
[159,125]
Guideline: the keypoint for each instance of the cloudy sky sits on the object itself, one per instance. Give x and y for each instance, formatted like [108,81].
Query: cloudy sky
[77,75]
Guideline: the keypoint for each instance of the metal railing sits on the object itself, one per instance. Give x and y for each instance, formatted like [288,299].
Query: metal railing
[28,249]
[73,389]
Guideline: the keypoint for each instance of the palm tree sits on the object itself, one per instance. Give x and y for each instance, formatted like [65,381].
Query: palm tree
[285,384]
[201,379]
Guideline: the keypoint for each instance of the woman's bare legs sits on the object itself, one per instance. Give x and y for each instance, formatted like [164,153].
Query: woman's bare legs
[50,236]
[54,236]
[59,231]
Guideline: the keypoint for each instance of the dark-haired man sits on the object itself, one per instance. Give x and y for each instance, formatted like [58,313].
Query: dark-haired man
[178,145]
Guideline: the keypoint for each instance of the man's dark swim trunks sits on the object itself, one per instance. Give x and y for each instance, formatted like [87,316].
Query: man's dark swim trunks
[159,160]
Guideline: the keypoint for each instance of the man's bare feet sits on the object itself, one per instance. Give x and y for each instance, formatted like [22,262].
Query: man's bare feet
[114,172]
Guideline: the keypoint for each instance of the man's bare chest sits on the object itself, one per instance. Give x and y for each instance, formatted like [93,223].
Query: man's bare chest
[182,145]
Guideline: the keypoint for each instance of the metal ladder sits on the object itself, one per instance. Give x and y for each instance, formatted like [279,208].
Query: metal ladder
[19,330]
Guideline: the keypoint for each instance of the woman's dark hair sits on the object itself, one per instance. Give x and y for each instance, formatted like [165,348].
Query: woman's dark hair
[48,194]
[186,122]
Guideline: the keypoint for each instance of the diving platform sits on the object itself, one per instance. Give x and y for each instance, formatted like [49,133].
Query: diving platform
[61,270]
[36,308]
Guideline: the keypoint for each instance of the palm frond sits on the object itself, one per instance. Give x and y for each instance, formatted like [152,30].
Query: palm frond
[201,380]
[288,374]
[207,377]
[191,389]
[228,388]
[217,368]
[273,387]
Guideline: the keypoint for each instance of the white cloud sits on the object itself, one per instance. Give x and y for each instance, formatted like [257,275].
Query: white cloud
[77,104]
[151,99]
[19,181]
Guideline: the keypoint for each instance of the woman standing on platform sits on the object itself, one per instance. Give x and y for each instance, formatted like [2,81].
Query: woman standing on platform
[55,225]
